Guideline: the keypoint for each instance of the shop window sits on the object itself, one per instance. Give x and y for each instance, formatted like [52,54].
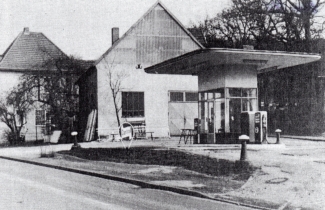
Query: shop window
[249,104]
[132,104]
[212,94]
[249,92]
[234,92]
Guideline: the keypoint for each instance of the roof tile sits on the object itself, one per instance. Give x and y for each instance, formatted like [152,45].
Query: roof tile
[30,52]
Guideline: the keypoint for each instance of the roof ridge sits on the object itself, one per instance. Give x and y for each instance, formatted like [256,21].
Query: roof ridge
[140,19]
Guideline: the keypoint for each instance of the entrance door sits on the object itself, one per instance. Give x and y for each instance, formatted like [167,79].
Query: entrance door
[219,114]
[234,115]
[215,118]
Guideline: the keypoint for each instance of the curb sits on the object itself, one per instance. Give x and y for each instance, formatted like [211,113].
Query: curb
[137,182]
[304,138]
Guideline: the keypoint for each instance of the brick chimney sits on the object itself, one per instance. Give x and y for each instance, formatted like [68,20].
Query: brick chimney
[115,35]
[26,31]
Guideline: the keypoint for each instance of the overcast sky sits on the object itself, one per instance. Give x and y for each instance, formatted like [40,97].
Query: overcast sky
[83,27]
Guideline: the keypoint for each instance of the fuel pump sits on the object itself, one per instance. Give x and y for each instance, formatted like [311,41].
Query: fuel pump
[260,127]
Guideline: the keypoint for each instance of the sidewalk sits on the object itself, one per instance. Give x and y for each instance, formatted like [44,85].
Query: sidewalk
[290,175]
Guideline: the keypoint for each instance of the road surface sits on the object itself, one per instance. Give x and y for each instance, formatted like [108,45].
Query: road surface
[25,186]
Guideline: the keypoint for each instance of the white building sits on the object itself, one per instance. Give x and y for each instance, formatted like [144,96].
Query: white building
[165,104]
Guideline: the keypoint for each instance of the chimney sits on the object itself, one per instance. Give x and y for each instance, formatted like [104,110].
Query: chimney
[26,31]
[115,35]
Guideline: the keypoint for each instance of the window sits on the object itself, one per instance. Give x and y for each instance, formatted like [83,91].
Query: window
[191,96]
[40,117]
[132,104]
[247,97]
[176,96]
[212,94]
[242,92]
[234,92]
[183,96]
[250,92]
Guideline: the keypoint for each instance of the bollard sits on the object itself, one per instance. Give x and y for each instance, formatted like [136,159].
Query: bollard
[243,139]
[75,144]
[278,131]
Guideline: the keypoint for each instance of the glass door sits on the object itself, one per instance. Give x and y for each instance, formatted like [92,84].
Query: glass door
[219,115]
[210,120]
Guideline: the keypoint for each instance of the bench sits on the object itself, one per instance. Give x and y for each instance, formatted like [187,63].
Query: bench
[139,127]
[139,131]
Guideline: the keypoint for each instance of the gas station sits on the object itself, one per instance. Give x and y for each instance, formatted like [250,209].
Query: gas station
[227,86]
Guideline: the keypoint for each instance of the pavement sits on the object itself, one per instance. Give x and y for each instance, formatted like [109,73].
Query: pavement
[290,175]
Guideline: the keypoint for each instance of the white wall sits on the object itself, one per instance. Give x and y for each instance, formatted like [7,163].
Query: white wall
[243,76]
[210,79]
[155,88]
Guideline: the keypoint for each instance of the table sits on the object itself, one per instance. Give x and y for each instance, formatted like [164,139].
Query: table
[187,134]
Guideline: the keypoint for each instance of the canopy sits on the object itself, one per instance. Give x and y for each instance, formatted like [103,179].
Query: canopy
[195,61]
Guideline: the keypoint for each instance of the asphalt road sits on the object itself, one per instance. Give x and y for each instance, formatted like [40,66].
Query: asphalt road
[25,186]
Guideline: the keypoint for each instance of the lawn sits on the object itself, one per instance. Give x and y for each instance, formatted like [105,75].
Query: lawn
[167,157]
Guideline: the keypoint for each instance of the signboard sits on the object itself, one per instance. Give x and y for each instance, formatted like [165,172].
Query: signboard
[126,132]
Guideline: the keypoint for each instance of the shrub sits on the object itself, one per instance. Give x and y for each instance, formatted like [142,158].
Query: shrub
[12,137]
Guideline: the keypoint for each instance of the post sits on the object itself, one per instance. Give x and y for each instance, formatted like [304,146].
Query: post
[75,144]
[243,139]
[278,132]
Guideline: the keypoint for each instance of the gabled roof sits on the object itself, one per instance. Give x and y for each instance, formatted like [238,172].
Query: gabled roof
[134,25]
[29,51]
[198,34]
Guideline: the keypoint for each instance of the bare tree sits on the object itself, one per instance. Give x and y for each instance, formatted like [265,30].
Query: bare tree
[115,77]
[52,86]
[305,11]
[13,111]
[267,24]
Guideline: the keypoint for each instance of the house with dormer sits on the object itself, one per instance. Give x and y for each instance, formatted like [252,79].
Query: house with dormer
[164,104]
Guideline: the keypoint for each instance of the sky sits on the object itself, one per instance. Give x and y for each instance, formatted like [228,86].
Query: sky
[83,27]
